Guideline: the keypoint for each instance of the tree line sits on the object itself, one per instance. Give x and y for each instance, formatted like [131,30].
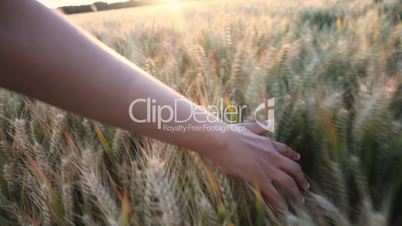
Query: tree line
[100,6]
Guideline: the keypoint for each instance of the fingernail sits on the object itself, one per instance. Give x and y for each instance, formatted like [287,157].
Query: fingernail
[307,186]
[298,156]
[303,200]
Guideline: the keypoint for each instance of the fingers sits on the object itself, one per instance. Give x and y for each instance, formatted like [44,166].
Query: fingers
[290,186]
[285,150]
[273,198]
[294,170]
[253,127]
[281,148]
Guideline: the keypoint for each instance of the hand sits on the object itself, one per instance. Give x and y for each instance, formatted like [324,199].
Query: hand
[261,162]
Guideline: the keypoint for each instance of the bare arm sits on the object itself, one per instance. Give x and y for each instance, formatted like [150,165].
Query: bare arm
[43,56]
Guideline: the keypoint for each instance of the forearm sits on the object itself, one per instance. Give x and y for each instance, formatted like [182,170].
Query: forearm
[69,69]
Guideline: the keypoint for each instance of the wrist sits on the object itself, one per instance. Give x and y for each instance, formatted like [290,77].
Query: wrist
[218,141]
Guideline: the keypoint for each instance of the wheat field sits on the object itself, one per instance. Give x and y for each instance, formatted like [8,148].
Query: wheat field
[334,68]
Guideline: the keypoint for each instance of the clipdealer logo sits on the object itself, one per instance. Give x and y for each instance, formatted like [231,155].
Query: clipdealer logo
[166,115]
[268,108]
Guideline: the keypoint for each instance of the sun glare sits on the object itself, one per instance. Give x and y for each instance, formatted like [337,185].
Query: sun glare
[171,3]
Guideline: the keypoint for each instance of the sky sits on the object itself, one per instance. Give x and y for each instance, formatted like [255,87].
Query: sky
[57,3]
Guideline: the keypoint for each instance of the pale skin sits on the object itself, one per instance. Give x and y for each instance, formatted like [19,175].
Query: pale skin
[45,57]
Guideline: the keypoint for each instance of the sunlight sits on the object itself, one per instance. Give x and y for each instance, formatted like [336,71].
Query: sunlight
[172,4]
